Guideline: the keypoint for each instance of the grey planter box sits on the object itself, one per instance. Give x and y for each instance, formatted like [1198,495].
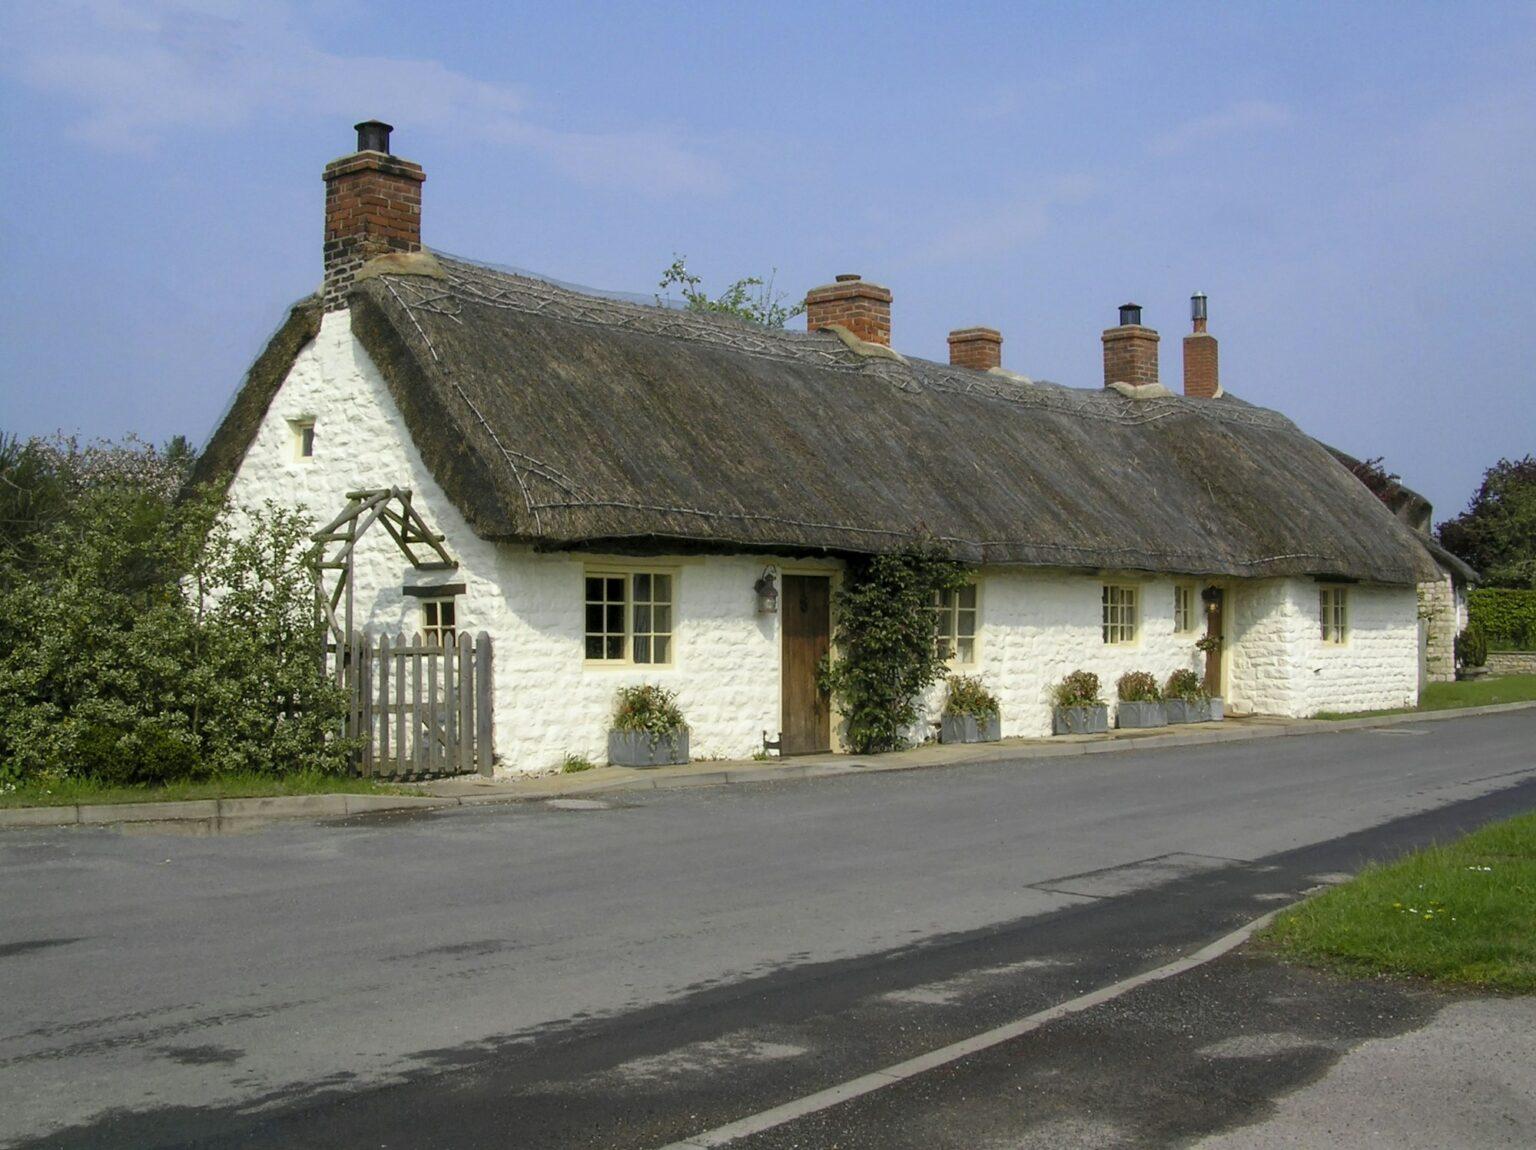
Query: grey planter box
[1187,710]
[639,749]
[1140,715]
[1080,720]
[970,729]
[1218,710]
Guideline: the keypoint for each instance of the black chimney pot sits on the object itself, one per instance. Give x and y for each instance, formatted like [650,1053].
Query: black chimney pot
[373,136]
[1130,313]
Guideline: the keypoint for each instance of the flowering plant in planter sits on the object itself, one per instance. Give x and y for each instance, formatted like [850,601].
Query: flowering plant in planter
[1207,644]
[1079,710]
[1185,699]
[971,712]
[1141,703]
[648,728]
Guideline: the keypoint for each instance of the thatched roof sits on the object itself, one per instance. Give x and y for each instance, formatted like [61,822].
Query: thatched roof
[570,420]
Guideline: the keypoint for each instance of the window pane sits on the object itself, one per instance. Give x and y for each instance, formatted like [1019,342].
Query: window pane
[662,646]
[968,596]
[663,619]
[642,649]
[642,619]
[615,589]
[594,646]
[594,589]
[614,617]
[642,587]
[661,588]
[445,613]
[967,649]
[615,646]
[594,616]
[966,623]
[429,614]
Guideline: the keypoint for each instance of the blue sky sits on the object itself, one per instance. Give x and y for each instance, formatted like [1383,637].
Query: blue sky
[1351,184]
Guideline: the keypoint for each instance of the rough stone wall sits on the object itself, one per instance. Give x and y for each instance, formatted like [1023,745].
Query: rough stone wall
[1035,627]
[1378,664]
[1512,662]
[1437,606]
[1263,632]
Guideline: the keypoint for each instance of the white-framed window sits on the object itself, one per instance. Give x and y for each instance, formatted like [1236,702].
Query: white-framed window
[629,616]
[303,438]
[1120,613]
[954,624]
[1333,613]
[439,622]
[1184,616]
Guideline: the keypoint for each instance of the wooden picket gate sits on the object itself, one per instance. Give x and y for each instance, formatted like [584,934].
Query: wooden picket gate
[421,709]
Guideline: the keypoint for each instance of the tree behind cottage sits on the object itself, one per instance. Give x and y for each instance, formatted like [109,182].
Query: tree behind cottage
[1497,532]
[118,658]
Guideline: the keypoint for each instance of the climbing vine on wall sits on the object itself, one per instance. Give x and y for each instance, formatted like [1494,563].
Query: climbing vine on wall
[884,635]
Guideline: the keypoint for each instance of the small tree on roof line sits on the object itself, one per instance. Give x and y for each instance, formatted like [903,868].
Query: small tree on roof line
[752,298]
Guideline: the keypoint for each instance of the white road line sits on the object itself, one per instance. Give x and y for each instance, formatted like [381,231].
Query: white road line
[901,1071]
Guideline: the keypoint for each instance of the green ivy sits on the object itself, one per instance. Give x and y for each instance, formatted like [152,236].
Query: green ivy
[1507,617]
[885,642]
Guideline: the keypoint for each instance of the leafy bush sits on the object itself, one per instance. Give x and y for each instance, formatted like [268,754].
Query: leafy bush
[885,638]
[968,695]
[1507,617]
[1079,689]
[1472,647]
[647,708]
[145,640]
[1137,687]
[1184,684]
[1497,531]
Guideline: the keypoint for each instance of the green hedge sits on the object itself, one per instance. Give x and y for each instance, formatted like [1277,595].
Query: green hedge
[1507,617]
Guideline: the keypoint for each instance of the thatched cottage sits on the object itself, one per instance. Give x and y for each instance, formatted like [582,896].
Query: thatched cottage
[621,489]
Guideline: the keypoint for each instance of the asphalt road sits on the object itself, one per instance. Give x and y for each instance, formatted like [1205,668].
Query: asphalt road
[632,974]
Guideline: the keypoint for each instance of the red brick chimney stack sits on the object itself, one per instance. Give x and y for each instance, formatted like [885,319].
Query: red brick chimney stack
[1130,350]
[372,206]
[863,308]
[979,348]
[1200,377]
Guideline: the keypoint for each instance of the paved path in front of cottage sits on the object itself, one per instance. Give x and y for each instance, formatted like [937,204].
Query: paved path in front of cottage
[634,970]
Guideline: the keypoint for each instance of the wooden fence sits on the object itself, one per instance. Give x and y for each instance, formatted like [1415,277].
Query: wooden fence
[420,709]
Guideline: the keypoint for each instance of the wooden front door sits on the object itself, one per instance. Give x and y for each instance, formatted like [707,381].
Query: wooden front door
[806,609]
[1214,606]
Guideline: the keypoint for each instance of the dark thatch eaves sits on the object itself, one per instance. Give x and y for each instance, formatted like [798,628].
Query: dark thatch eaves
[568,420]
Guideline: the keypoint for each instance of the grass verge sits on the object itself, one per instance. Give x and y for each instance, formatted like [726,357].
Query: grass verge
[1462,914]
[68,792]
[1448,696]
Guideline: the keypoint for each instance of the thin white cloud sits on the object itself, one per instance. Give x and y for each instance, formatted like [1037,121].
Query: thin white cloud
[1241,119]
[140,72]
[989,232]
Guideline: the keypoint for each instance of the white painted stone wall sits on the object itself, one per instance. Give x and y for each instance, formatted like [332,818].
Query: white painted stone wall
[1034,626]
[1278,663]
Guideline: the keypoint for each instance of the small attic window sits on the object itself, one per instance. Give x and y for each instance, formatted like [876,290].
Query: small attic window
[303,438]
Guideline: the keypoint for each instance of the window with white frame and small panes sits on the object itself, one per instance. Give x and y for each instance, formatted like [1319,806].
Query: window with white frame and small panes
[629,617]
[1333,612]
[954,624]
[1183,608]
[1120,607]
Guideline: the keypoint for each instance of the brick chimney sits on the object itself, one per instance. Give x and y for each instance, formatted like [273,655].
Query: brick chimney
[1200,378]
[863,308]
[372,206]
[1130,350]
[980,348]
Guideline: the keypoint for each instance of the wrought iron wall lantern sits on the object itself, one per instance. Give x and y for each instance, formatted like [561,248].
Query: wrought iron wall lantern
[767,591]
